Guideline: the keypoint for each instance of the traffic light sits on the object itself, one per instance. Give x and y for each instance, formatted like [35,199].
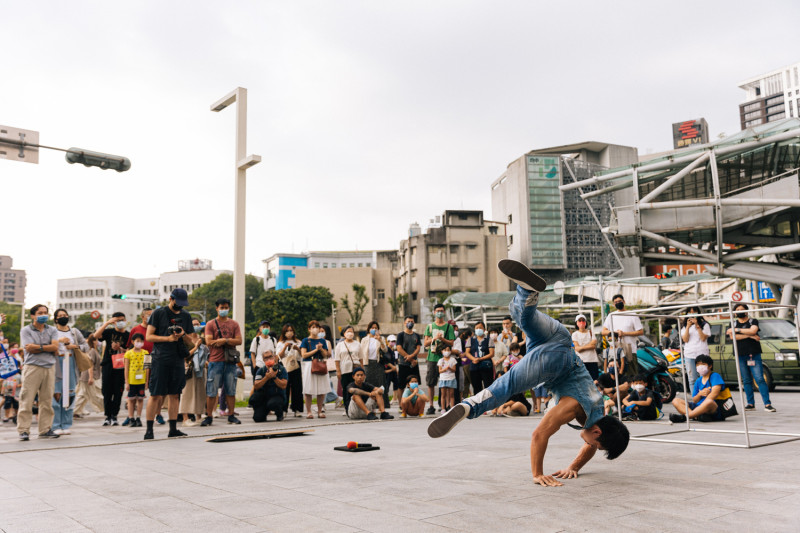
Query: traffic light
[97,159]
[664,275]
[119,296]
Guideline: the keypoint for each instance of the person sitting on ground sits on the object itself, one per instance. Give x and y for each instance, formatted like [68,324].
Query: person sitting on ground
[517,405]
[608,387]
[414,400]
[640,403]
[269,388]
[711,398]
[365,398]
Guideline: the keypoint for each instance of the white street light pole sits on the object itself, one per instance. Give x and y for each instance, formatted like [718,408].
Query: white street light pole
[239,95]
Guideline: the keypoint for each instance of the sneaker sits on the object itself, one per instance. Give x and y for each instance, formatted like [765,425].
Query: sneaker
[233,420]
[49,434]
[749,407]
[148,435]
[431,410]
[193,418]
[372,416]
[521,275]
[58,432]
[770,409]
[675,418]
[24,436]
[386,416]
[107,421]
[66,432]
[176,433]
[705,418]
[403,415]
[442,425]
[160,419]
[207,422]
[127,422]
[188,423]
[279,418]
[114,421]
[137,423]
[14,420]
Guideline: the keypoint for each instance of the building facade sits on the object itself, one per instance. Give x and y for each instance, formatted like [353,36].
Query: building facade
[13,281]
[771,96]
[459,254]
[280,269]
[557,234]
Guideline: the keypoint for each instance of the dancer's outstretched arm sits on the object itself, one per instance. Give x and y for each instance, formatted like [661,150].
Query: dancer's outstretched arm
[566,410]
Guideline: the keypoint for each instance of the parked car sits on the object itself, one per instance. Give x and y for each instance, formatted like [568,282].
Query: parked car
[779,351]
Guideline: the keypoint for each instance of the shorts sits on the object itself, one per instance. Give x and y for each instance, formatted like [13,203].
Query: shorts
[432,378]
[167,376]
[355,413]
[136,391]
[221,374]
[10,402]
[392,379]
[718,415]
[447,384]
[540,392]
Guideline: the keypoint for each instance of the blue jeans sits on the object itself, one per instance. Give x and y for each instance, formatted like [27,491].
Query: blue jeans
[691,373]
[549,360]
[62,418]
[753,372]
[221,374]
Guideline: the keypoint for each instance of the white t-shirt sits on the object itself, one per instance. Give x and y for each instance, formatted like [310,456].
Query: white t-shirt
[447,368]
[457,345]
[694,346]
[347,361]
[626,323]
[580,339]
[62,348]
[259,346]
[372,350]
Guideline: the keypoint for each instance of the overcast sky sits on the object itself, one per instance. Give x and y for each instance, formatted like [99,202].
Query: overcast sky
[369,115]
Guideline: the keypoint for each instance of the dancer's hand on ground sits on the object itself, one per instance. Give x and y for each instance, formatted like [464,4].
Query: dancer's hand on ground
[547,481]
[566,473]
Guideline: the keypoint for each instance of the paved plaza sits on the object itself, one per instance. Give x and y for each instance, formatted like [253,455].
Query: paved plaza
[477,478]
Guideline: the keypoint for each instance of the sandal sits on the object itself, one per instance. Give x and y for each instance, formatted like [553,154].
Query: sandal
[321,415]
[310,416]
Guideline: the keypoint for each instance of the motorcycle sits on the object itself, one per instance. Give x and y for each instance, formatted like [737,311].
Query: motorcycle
[654,364]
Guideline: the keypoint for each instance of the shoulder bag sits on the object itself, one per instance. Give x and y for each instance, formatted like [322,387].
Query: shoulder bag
[230,352]
[318,366]
[82,361]
[290,358]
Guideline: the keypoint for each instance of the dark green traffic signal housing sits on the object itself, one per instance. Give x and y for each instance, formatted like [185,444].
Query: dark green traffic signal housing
[97,159]
[119,296]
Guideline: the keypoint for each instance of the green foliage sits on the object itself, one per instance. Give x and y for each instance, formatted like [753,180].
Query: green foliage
[11,326]
[85,322]
[203,298]
[398,305]
[360,300]
[293,306]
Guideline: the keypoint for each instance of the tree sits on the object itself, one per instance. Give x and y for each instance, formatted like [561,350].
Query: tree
[294,306]
[398,305]
[202,298]
[360,301]
[10,327]
[85,322]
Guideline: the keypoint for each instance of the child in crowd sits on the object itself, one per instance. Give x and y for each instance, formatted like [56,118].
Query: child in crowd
[390,360]
[514,356]
[136,376]
[447,379]
[414,400]
[10,390]
[640,403]
[541,397]
[517,405]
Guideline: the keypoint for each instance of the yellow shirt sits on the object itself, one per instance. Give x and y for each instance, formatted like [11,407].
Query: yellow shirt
[136,366]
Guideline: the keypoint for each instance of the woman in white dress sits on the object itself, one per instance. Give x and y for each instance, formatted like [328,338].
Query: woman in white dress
[314,347]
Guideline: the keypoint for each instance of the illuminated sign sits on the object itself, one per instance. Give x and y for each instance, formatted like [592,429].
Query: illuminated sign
[547,227]
[689,132]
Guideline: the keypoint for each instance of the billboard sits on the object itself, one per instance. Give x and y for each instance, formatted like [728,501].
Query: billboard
[548,245]
[689,132]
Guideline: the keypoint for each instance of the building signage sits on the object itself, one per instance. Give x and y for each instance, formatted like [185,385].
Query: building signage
[761,292]
[689,132]
[546,221]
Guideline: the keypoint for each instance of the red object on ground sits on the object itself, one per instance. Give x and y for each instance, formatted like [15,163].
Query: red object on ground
[351,445]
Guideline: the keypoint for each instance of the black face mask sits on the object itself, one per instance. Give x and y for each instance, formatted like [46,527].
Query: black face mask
[619,305]
[177,307]
[409,325]
[62,321]
[741,314]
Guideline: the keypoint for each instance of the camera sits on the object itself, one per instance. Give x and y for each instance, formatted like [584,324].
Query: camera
[174,330]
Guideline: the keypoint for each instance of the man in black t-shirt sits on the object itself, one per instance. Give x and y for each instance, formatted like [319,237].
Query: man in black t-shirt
[409,345]
[113,365]
[171,331]
[365,398]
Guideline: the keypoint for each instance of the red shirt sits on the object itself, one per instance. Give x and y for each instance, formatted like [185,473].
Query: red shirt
[230,329]
[138,328]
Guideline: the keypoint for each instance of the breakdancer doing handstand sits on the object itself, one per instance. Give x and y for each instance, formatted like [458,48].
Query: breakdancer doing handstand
[550,361]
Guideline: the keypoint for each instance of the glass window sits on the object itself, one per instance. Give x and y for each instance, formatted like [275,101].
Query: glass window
[690,272]
[369,264]
[360,265]
[352,265]
[324,265]
[381,294]
[316,265]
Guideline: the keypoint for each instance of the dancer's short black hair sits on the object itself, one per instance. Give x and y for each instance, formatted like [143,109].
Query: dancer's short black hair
[614,437]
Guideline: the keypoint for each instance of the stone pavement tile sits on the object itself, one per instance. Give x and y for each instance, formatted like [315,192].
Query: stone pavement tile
[755,522]
[477,521]
[742,502]
[296,521]
[241,507]
[418,510]
[666,521]
[180,515]
[101,519]
[27,505]
[46,521]
[378,521]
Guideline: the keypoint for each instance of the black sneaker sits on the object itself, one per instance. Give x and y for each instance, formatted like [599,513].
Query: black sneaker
[749,407]
[386,416]
[49,434]
[127,422]
[192,418]
[160,419]
[431,410]
[24,436]
[442,425]
[14,420]
[176,433]
[675,418]
[137,423]
[705,418]
[207,421]
[114,421]
[521,275]
[372,416]
[107,421]
[233,420]
[770,409]
[148,435]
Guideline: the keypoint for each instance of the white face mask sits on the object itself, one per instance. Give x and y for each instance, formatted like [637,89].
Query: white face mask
[515,354]
[493,336]
[445,354]
[702,370]
[321,334]
[138,345]
[638,388]
[348,335]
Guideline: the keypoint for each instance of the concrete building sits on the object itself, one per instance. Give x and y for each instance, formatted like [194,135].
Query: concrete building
[459,254]
[280,269]
[559,235]
[771,96]
[191,274]
[13,280]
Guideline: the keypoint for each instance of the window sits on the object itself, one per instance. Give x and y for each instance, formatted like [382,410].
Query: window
[89,292]
[716,333]
[352,265]
[78,294]
[414,296]
[437,271]
[324,265]
[510,240]
[316,265]
[61,294]
[674,272]
[492,230]
[453,248]
[381,294]
[509,219]
[471,246]
[472,270]
[462,217]
[369,264]
[690,272]
[454,271]
[360,265]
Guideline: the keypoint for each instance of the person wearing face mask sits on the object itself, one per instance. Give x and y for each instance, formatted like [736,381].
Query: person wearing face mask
[346,357]
[40,343]
[748,345]
[438,335]
[500,351]
[409,344]
[711,398]
[269,389]
[390,370]
[695,332]
[373,348]
[89,383]
[480,354]
[221,333]
[70,339]
[113,332]
[135,379]
[289,354]
[640,403]
[260,344]
[193,399]
[314,385]
[627,328]
[585,346]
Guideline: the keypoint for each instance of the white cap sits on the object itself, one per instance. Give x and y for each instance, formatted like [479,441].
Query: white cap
[579,317]
[391,338]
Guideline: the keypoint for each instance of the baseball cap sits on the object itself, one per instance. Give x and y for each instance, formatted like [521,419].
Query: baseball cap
[579,317]
[180,296]
[391,338]
[264,323]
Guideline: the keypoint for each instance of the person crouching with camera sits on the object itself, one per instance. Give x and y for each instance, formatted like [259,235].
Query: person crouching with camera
[172,334]
[269,389]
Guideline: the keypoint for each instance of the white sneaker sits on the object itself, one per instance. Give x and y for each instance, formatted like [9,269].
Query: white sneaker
[66,432]
[58,431]
[442,425]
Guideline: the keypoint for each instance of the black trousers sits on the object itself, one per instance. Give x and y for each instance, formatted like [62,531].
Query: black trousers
[593,368]
[263,405]
[112,389]
[347,379]
[294,391]
[481,378]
